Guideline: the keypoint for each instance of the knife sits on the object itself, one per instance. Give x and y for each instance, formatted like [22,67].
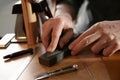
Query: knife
[57,72]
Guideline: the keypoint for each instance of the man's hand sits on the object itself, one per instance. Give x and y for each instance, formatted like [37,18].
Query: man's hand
[105,36]
[56,31]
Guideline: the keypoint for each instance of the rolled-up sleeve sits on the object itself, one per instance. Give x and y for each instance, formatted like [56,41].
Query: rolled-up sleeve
[74,3]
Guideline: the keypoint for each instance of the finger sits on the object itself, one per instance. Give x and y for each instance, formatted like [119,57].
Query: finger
[85,42]
[67,35]
[82,36]
[113,47]
[46,34]
[46,41]
[99,45]
[55,37]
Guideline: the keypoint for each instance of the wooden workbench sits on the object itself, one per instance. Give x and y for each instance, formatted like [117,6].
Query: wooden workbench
[91,67]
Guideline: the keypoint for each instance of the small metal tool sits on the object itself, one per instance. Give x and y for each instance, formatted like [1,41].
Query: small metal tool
[19,53]
[57,72]
[50,59]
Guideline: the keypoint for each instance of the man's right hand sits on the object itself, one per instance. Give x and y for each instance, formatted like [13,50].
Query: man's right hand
[57,32]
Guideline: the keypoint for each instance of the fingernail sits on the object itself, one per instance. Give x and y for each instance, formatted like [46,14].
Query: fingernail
[70,46]
[106,54]
[49,50]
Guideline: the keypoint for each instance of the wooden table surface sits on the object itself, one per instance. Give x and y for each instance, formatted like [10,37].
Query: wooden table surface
[91,67]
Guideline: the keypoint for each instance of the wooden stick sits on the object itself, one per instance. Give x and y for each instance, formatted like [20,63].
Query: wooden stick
[30,21]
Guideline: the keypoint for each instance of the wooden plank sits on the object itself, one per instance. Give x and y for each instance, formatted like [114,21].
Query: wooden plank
[113,66]
[30,21]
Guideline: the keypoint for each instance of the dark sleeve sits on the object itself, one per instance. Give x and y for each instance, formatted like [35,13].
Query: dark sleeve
[75,3]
